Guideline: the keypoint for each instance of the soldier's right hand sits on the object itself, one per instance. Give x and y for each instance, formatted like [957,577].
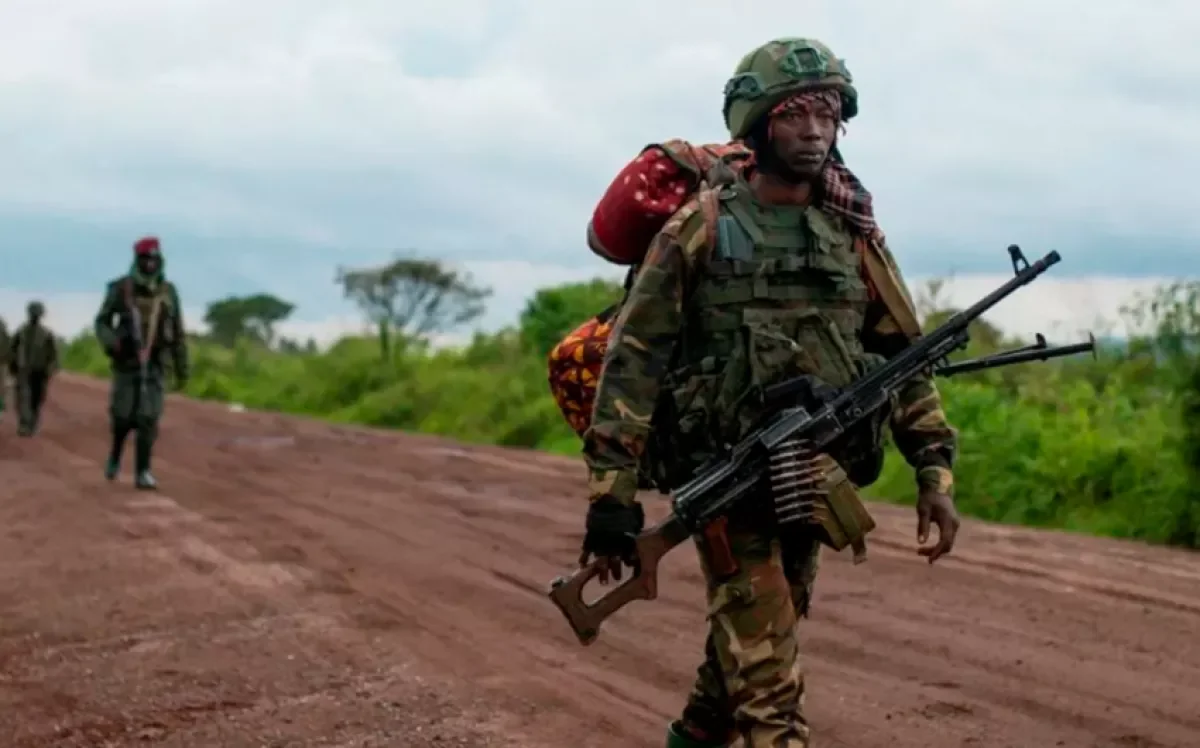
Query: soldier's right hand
[611,530]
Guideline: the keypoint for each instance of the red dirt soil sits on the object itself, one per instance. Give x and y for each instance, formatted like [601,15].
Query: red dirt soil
[300,584]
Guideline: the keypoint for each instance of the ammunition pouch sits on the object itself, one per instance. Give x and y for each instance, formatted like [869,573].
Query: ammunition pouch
[842,519]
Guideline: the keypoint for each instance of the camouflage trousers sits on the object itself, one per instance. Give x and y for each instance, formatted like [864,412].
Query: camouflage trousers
[30,389]
[751,684]
[134,408]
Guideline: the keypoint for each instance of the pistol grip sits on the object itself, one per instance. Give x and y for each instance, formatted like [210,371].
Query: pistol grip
[567,591]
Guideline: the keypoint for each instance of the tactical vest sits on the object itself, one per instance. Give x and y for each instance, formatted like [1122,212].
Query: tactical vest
[34,350]
[781,295]
[161,321]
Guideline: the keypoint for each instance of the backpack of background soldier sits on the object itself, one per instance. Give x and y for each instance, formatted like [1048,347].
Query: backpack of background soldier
[639,201]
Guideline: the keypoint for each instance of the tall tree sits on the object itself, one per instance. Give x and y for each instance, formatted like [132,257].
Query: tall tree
[251,317]
[554,312]
[413,297]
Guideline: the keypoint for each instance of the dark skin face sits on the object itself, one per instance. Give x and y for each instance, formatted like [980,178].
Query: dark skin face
[149,263]
[801,140]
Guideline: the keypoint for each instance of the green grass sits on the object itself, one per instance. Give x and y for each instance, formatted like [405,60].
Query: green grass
[1100,446]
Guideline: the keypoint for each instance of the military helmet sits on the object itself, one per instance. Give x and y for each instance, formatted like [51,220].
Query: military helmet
[778,69]
[36,309]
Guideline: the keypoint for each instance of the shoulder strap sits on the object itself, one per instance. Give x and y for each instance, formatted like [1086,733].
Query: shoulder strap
[152,325]
[711,211]
[155,311]
[888,285]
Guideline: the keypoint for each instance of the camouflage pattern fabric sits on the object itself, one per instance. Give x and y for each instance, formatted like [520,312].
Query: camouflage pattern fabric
[31,389]
[166,337]
[33,349]
[643,347]
[33,361]
[162,329]
[751,681]
[129,411]
[731,296]
[4,352]
[701,328]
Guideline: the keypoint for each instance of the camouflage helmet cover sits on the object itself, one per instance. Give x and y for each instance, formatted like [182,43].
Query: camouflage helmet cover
[778,69]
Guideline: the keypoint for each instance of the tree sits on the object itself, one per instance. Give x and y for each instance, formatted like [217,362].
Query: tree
[554,312]
[413,298]
[294,346]
[251,317]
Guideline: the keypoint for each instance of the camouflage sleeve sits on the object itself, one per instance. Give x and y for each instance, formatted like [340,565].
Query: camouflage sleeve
[179,351]
[51,351]
[640,349]
[14,350]
[919,426]
[104,326]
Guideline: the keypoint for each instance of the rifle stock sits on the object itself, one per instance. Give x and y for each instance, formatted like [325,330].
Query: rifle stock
[719,485]
[650,546]
[135,334]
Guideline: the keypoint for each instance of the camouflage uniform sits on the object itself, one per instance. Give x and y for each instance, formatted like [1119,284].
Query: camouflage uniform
[4,345]
[770,292]
[33,360]
[134,404]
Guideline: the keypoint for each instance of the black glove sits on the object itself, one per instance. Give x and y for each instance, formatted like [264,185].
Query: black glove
[611,530]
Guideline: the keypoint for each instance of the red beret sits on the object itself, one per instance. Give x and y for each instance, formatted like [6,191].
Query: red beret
[146,245]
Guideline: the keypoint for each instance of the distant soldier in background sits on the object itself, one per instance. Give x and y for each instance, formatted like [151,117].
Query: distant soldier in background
[139,321]
[3,364]
[32,361]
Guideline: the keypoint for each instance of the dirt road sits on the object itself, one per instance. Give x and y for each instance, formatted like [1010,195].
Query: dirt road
[296,584]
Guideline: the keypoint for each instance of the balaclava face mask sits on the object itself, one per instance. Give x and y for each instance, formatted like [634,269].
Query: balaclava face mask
[148,269]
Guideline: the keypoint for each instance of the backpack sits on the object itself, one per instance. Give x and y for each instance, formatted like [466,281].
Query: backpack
[637,204]
[639,201]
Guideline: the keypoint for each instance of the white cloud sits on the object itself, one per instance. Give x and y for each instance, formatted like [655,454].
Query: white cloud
[469,125]
[1057,97]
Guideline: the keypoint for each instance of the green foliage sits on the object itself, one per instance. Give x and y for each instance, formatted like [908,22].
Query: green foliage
[413,298]
[554,312]
[254,317]
[1108,446]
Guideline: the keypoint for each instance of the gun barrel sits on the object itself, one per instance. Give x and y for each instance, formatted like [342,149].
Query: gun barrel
[1019,356]
[952,334]
[717,486]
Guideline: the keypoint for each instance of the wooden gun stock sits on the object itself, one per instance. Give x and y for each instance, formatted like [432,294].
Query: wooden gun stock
[567,591]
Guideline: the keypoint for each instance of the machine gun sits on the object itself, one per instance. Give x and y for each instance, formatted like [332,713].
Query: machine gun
[135,334]
[824,415]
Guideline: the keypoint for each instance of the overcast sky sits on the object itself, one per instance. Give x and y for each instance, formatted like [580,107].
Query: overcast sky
[267,142]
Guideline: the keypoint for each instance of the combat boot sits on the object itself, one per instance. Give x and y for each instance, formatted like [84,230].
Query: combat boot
[145,481]
[677,738]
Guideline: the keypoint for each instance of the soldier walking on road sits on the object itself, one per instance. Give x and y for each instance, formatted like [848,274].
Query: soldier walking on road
[139,322]
[779,275]
[32,361]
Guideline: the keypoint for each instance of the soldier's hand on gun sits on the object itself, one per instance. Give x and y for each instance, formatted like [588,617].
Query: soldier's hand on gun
[936,508]
[611,530]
